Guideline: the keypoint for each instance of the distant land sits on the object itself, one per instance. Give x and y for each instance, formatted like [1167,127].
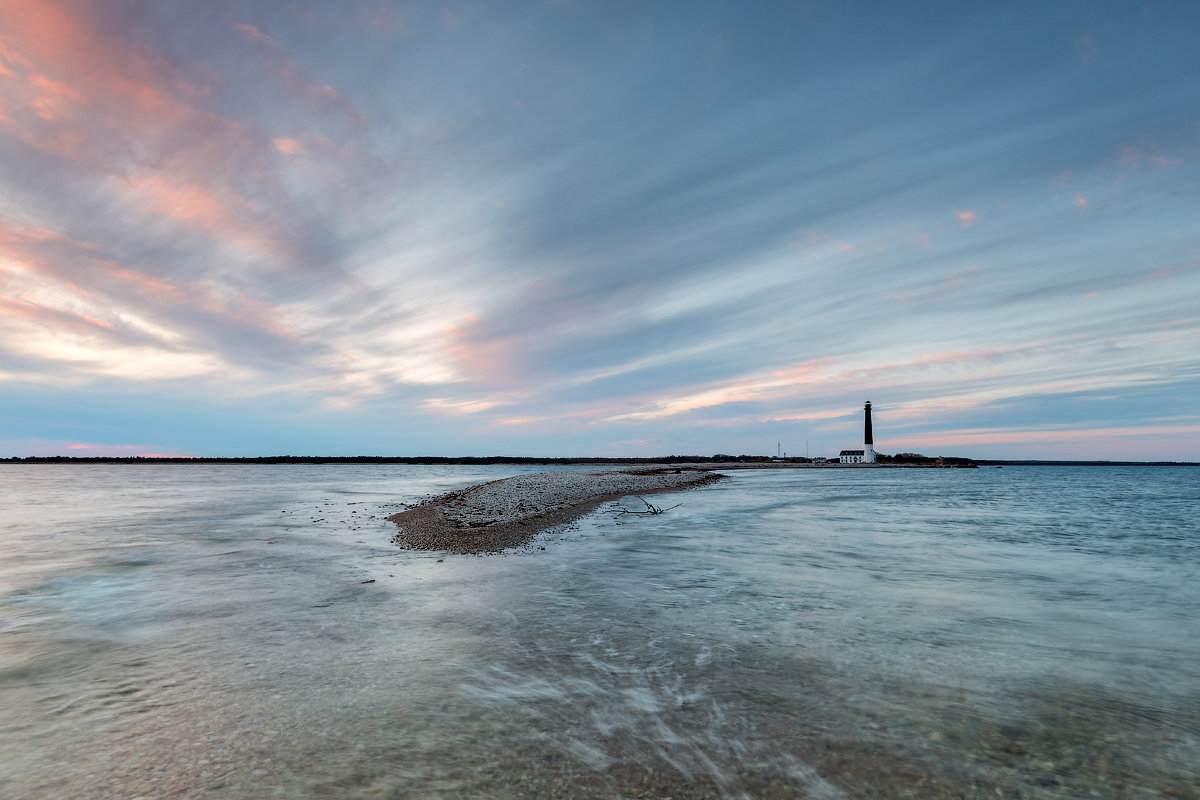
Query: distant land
[719,458]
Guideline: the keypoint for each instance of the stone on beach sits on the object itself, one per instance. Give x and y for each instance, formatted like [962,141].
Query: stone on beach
[506,513]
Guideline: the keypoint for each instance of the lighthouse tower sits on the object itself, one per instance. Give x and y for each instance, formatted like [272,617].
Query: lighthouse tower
[868,440]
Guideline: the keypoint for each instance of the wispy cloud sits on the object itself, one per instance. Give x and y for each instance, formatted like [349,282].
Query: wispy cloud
[549,228]
[1038,439]
[444,405]
[253,33]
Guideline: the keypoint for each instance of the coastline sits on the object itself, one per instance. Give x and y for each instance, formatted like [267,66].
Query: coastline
[510,512]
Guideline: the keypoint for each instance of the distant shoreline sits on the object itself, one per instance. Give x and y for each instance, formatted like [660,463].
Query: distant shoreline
[741,462]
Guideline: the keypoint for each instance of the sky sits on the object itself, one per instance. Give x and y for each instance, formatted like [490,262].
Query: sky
[599,228]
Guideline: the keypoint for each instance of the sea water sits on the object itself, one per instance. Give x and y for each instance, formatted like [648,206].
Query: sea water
[249,631]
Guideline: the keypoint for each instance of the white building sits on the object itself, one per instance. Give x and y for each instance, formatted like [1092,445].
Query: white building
[851,457]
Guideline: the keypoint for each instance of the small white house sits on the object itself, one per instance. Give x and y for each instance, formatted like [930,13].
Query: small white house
[851,457]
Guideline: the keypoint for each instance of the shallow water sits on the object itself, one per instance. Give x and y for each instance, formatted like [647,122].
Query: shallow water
[205,631]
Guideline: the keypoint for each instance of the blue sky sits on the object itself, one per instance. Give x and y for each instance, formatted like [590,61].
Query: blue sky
[599,228]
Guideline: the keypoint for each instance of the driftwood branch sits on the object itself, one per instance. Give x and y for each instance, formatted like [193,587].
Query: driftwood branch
[650,509]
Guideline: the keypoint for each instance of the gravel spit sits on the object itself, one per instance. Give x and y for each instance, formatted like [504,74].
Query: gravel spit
[499,515]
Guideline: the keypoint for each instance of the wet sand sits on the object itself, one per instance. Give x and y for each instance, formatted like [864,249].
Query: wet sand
[507,513]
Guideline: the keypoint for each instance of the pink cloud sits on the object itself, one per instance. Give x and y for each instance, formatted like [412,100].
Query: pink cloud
[289,146]
[479,354]
[1172,269]
[785,383]
[774,384]
[967,218]
[245,310]
[95,100]
[149,284]
[13,234]
[44,253]
[65,67]
[58,319]
[803,371]
[76,92]
[109,284]
[54,99]
[814,239]
[195,201]
[1081,201]
[444,405]
[253,33]
[120,450]
[174,196]
[528,420]
[1133,156]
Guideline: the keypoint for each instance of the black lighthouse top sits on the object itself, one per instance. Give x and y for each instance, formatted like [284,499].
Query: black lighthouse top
[867,433]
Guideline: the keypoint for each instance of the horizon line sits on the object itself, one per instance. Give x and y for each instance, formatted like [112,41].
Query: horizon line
[505,459]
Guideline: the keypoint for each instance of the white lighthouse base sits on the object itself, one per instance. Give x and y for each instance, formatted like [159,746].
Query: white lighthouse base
[868,454]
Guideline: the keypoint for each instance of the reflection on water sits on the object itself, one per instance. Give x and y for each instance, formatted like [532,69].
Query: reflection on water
[206,631]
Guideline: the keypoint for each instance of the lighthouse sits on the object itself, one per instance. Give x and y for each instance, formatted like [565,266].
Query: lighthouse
[868,440]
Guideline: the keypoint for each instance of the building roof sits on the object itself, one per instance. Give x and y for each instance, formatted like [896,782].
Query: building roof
[852,452]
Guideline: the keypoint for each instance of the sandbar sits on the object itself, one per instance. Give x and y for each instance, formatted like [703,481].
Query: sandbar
[507,513]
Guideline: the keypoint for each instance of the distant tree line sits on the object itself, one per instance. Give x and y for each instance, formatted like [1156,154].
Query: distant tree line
[716,458]
[917,458]
[424,460]
[722,458]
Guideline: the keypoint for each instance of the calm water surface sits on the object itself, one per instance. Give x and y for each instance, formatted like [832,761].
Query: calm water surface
[207,631]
